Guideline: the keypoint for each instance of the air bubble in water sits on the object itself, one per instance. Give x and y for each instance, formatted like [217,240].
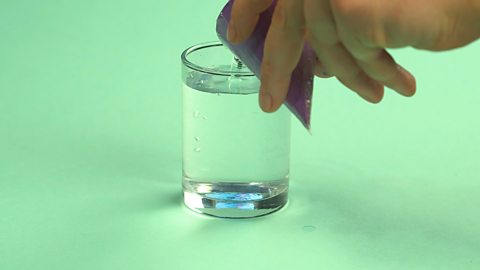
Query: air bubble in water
[196,114]
[197,149]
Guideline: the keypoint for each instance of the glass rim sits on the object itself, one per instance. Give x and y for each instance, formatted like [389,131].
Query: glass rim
[212,71]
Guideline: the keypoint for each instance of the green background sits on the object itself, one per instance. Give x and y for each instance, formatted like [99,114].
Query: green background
[90,154]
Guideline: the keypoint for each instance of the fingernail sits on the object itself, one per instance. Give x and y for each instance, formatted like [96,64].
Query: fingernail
[374,94]
[231,32]
[266,101]
[409,86]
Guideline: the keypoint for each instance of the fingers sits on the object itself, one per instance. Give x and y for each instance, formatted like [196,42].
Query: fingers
[341,51]
[244,17]
[379,65]
[283,48]
[322,36]
[342,65]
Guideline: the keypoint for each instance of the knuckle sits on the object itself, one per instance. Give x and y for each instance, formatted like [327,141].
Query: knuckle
[279,18]
[360,18]
[322,36]
[356,15]
[288,17]
[366,21]
[354,74]
[349,8]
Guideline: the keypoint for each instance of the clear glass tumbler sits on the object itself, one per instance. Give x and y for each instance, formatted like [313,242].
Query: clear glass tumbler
[235,157]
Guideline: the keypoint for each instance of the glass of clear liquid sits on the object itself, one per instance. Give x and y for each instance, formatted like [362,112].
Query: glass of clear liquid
[235,157]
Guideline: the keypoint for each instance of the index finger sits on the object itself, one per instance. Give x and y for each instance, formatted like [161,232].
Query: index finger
[244,17]
[283,49]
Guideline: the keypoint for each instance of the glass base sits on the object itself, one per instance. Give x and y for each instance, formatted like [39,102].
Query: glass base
[235,200]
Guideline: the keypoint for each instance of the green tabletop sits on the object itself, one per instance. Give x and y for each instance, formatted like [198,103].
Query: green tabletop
[90,154]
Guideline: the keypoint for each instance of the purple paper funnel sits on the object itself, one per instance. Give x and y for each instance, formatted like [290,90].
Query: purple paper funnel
[250,52]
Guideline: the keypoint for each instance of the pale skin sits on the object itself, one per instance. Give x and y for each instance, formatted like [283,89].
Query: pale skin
[350,38]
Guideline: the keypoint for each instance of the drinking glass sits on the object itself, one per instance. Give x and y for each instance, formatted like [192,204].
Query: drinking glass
[235,157]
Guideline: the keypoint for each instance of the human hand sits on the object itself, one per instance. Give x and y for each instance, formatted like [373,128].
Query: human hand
[350,38]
